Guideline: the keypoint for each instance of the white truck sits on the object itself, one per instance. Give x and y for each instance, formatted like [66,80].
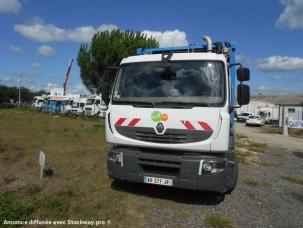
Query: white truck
[37,102]
[92,106]
[68,100]
[170,116]
[269,114]
[78,106]
[103,109]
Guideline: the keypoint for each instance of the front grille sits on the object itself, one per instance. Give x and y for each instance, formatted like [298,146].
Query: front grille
[161,167]
[166,138]
[160,162]
[167,171]
[170,136]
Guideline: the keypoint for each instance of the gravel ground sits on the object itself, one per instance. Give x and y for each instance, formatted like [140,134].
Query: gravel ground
[268,201]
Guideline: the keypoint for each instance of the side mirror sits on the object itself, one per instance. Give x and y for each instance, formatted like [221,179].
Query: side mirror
[243,74]
[243,94]
[108,77]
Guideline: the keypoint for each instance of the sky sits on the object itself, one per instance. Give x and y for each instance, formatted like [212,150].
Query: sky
[38,38]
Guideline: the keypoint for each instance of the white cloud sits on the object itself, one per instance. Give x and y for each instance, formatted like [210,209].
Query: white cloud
[50,85]
[10,6]
[168,38]
[264,88]
[35,64]
[278,78]
[240,58]
[46,51]
[40,31]
[16,49]
[292,16]
[78,89]
[4,78]
[280,63]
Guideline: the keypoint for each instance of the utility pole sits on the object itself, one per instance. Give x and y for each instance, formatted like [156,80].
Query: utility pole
[19,80]
[285,121]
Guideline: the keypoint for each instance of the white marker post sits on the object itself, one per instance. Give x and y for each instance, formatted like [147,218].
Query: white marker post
[42,163]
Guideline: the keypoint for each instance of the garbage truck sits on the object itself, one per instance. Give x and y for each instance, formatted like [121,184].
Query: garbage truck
[170,116]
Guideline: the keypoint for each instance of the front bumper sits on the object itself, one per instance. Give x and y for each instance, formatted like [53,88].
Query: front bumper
[184,169]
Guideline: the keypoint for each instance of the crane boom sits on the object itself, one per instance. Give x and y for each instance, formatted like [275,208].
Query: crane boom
[67,76]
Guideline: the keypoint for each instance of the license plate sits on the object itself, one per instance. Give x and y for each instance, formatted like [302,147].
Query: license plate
[157,180]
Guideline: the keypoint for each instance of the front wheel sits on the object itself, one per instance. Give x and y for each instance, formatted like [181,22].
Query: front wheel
[232,185]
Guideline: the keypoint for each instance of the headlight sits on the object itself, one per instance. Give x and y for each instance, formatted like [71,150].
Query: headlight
[207,167]
[116,157]
[212,167]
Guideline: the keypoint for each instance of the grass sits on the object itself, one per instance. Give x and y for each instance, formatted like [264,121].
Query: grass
[12,209]
[292,180]
[79,188]
[297,133]
[246,150]
[217,221]
[253,182]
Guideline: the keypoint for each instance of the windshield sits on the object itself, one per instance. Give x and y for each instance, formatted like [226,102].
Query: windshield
[90,101]
[177,82]
[75,105]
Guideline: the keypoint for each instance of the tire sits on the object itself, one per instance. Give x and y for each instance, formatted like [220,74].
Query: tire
[234,181]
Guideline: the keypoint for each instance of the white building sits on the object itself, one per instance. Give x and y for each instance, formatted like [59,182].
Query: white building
[274,105]
[293,112]
[256,105]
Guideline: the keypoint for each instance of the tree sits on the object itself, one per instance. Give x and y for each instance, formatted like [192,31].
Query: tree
[107,49]
[12,93]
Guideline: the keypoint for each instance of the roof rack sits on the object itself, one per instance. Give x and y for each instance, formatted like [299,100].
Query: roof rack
[218,47]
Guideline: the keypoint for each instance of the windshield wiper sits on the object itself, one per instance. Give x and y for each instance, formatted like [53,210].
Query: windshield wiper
[143,104]
[137,103]
[169,104]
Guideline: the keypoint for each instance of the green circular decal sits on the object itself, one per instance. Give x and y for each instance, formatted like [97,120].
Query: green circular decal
[156,116]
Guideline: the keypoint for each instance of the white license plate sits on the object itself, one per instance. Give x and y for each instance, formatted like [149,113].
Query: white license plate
[157,180]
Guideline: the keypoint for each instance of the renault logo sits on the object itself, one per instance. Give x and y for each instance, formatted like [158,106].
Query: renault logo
[160,128]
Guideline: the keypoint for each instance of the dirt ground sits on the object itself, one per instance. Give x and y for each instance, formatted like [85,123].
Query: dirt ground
[273,140]
[269,191]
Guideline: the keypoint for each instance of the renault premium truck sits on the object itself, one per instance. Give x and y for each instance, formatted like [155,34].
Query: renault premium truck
[170,116]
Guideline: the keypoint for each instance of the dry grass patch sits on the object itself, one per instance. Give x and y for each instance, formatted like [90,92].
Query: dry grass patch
[79,188]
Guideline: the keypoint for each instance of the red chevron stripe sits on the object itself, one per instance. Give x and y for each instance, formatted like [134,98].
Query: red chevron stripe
[205,126]
[133,122]
[120,121]
[188,125]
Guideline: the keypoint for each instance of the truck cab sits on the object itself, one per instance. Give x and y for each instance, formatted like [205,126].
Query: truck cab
[92,106]
[170,117]
[37,102]
[78,106]
[102,109]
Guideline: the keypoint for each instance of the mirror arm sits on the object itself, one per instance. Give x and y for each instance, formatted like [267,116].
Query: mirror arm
[235,64]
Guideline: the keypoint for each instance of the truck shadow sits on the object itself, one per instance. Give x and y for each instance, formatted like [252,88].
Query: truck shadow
[174,194]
